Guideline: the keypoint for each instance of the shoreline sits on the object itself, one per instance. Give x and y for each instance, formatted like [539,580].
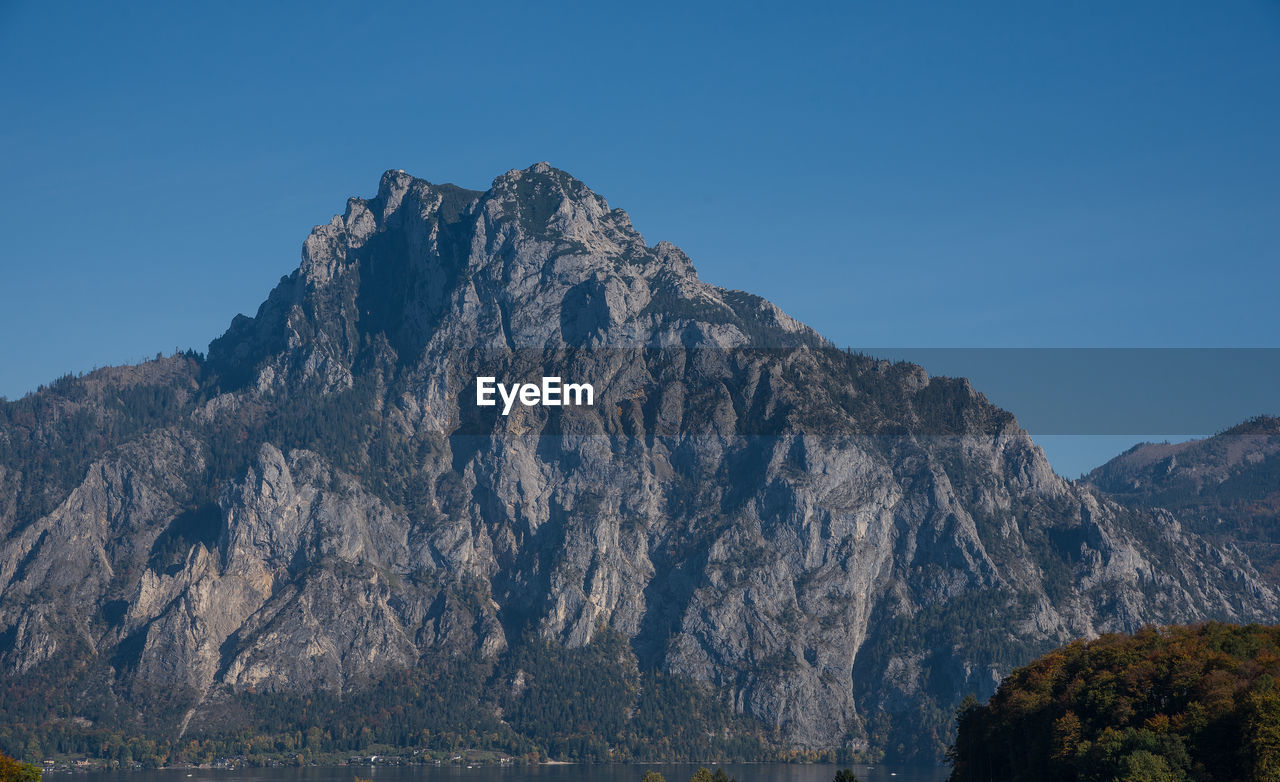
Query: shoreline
[75,767]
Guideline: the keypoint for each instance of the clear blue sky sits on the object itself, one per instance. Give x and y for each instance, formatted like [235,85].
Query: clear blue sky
[895,174]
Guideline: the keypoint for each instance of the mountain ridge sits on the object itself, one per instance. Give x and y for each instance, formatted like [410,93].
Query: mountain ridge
[1227,487]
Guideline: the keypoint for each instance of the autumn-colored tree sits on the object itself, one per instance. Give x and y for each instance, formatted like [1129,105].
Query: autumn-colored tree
[1066,736]
[16,771]
[1161,705]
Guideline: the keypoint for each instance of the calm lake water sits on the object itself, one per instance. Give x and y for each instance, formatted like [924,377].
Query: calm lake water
[752,772]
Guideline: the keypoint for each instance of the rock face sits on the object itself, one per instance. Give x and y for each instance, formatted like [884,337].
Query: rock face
[839,547]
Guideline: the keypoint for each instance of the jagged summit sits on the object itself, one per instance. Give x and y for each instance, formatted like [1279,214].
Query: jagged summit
[542,198]
[537,261]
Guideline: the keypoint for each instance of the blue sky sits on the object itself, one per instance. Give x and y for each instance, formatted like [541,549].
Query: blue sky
[895,174]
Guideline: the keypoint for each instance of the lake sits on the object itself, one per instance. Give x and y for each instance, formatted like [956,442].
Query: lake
[674,772]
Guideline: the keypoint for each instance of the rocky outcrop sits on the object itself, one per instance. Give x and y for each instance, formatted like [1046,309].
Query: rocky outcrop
[841,547]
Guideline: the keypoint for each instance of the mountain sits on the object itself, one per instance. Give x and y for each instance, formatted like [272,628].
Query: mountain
[1226,487]
[750,543]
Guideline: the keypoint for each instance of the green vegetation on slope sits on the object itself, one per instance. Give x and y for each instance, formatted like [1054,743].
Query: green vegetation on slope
[14,771]
[1197,703]
[585,704]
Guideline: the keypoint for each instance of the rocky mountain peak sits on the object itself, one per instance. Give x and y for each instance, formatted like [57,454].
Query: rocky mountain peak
[537,261]
[552,205]
[835,546]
